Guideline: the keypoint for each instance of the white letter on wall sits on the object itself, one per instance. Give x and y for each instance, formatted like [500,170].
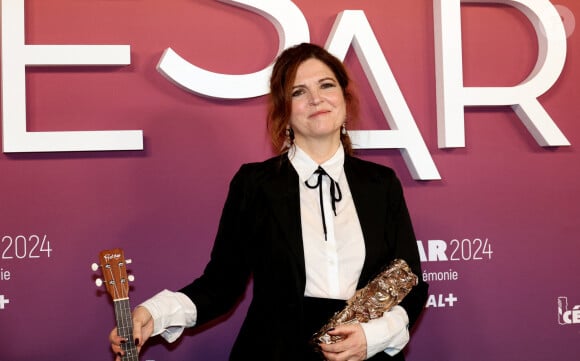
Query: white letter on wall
[452,96]
[16,56]
[292,29]
[352,26]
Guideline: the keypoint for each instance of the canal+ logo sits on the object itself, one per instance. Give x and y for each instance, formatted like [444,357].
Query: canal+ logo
[565,315]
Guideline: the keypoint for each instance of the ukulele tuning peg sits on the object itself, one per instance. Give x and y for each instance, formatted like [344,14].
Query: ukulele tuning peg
[128,261]
[131,278]
[99,282]
[94,266]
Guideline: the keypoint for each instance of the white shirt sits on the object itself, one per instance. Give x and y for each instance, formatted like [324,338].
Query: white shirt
[333,265]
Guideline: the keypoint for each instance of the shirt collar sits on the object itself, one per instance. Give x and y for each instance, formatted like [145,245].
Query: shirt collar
[305,166]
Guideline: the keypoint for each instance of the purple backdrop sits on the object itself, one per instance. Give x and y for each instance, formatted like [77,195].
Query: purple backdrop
[504,215]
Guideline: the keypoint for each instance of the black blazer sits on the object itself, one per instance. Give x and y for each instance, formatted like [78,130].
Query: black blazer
[260,236]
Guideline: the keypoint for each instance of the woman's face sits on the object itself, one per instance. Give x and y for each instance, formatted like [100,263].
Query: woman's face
[318,105]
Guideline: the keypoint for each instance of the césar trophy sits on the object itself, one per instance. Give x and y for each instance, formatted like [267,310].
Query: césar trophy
[381,294]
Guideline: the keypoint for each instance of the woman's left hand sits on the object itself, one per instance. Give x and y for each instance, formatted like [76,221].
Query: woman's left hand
[352,347]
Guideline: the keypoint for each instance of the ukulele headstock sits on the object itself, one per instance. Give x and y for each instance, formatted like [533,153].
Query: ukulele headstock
[114,270]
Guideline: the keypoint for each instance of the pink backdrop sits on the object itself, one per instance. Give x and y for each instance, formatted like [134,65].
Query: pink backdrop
[162,204]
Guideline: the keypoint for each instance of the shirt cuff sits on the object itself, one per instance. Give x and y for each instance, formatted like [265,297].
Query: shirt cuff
[171,313]
[389,333]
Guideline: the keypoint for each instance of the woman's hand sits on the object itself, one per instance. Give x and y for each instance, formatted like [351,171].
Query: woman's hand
[142,330]
[352,347]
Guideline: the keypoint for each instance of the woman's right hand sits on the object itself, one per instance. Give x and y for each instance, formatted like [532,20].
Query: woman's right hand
[142,330]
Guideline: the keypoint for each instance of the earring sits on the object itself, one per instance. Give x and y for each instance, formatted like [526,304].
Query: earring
[343,130]
[289,141]
[290,134]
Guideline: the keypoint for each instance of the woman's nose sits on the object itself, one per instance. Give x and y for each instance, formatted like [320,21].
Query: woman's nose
[315,98]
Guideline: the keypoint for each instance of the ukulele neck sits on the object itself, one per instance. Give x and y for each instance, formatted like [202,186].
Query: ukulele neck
[125,329]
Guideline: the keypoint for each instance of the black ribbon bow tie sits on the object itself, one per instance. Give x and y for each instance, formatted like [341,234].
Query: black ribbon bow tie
[335,193]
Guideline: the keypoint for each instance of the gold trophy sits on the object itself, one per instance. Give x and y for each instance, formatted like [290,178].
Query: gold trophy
[381,294]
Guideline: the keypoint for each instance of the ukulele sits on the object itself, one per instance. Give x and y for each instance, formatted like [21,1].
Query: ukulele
[115,279]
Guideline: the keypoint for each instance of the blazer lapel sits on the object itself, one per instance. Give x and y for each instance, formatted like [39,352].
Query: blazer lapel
[284,195]
[366,193]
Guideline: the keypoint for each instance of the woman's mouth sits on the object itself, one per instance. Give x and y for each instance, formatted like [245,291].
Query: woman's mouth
[320,112]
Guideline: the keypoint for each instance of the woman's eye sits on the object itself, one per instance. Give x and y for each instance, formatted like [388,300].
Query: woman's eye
[327,85]
[297,92]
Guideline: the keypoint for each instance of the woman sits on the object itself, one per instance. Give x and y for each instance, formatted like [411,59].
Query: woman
[310,226]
